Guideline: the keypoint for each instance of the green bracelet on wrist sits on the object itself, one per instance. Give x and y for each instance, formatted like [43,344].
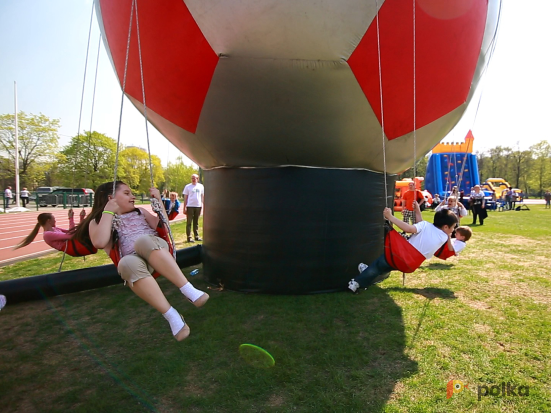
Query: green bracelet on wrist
[108,212]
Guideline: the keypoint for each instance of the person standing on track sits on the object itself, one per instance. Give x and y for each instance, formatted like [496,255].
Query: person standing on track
[7,197]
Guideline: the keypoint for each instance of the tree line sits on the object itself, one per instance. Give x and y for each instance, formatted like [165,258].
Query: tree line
[87,161]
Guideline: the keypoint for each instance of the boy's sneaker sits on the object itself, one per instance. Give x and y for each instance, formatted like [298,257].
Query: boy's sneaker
[362,267]
[353,285]
[2,301]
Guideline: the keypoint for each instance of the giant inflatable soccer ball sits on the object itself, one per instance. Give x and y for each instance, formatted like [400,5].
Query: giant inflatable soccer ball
[270,83]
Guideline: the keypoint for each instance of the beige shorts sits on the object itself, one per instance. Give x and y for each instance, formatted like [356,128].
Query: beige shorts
[134,267]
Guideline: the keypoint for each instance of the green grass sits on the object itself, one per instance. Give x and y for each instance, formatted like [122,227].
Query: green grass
[483,318]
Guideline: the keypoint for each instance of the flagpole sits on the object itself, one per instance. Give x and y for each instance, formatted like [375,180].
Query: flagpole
[16,149]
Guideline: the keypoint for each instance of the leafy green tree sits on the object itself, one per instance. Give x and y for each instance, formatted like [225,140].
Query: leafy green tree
[495,163]
[178,175]
[520,164]
[134,169]
[37,145]
[540,177]
[5,171]
[88,160]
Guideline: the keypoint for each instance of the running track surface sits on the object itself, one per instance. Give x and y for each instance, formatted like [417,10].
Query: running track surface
[15,226]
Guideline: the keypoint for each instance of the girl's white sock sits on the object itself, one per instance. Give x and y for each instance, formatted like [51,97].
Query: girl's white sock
[175,320]
[191,292]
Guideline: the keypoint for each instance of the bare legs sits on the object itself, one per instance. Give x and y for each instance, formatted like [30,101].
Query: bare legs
[164,264]
[149,291]
[161,260]
[147,288]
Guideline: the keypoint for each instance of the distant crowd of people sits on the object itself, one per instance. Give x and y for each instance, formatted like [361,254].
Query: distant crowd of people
[454,202]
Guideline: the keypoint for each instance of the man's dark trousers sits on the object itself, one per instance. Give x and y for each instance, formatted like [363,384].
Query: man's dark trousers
[193,214]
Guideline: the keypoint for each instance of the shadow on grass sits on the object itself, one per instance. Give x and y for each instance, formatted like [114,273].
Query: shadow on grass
[439,266]
[106,350]
[430,292]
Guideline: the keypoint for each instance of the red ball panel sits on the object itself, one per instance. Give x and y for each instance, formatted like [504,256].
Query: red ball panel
[178,62]
[446,55]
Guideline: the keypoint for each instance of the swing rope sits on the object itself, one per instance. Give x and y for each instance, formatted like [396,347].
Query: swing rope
[472,123]
[414,115]
[382,106]
[82,98]
[79,120]
[92,115]
[143,96]
[122,97]
[156,204]
[456,177]
[448,180]
[414,97]
[381,98]
[63,257]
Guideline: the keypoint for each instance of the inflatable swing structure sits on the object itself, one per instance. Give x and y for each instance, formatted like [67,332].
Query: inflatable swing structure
[300,115]
[284,105]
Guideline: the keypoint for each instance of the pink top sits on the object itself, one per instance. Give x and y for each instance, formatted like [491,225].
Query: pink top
[132,225]
[56,237]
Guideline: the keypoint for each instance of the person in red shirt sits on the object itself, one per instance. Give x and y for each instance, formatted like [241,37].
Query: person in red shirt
[407,203]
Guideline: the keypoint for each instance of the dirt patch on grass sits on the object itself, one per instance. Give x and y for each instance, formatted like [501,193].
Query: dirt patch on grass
[478,305]
[484,329]
[397,392]
[509,240]
[523,290]
[276,400]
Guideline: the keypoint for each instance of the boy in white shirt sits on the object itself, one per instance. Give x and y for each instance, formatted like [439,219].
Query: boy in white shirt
[462,235]
[427,238]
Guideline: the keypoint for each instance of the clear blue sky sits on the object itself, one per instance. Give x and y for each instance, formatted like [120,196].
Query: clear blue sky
[44,45]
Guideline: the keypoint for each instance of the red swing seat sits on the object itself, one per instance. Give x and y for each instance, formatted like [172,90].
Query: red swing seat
[162,232]
[400,254]
[78,249]
[404,257]
[444,252]
[172,215]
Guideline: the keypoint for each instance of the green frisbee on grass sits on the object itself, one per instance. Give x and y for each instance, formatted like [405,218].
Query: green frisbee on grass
[256,356]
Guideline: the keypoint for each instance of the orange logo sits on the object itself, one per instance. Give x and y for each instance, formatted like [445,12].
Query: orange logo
[454,386]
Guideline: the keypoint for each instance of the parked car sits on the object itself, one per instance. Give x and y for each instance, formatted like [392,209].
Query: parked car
[41,190]
[68,196]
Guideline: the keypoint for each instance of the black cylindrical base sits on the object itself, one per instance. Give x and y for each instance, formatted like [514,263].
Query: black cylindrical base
[291,230]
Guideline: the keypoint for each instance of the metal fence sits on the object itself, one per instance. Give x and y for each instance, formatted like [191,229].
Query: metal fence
[65,199]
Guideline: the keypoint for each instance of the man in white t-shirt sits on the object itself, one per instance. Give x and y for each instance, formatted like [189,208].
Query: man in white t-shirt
[194,197]
[7,197]
[427,238]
